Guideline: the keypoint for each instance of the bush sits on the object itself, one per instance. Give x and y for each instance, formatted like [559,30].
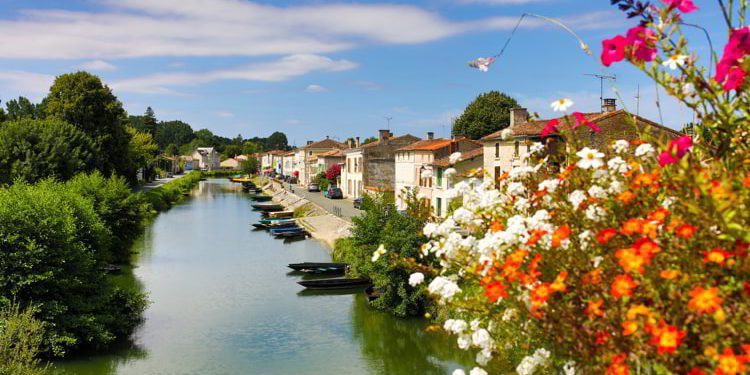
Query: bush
[54,246]
[164,197]
[21,336]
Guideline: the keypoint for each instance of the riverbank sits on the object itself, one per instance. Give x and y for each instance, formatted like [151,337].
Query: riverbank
[322,225]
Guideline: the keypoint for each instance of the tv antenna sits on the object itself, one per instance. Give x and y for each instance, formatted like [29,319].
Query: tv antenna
[388,118]
[638,101]
[601,84]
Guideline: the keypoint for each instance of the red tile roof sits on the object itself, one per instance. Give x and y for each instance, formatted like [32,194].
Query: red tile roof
[375,143]
[427,145]
[327,143]
[332,153]
[466,155]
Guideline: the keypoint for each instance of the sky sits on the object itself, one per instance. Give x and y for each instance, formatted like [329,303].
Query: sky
[319,68]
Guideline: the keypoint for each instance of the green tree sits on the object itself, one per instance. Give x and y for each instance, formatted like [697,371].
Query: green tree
[149,122]
[35,149]
[205,138]
[233,150]
[22,108]
[142,148]
[249,166]
[488,113]
[21,337]
[250,147]
[171,150]
[82,100]
[369,140]
[174,132]
[277,141]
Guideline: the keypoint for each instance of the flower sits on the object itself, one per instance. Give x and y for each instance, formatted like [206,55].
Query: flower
[729,70]
[448,173]
[704,300]
[416,278]
[685,231]
[560,234]
[529,363]
[443,287]
[477,371]
[494,291]
[590,158]
[455,326]
[731,364]
[644,150]
[582,120]
[605,235]
[561,105]
[482,63]
[459,372]
[623,286]
[666,338]
[594,308]
[618,366]
[613,50]
[675,61]
[621,146]
[576,198]
[676,149]
[536,147]
[685,6]
[550,128]
[641,44]
[456,156]
[716,256]
[377,253]
[669,274]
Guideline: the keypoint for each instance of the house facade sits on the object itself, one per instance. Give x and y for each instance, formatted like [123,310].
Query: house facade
[206,158]
[509,148]
[371,167]
[287,163]
[414,169]
[310,152]
[328,159]
[467,165]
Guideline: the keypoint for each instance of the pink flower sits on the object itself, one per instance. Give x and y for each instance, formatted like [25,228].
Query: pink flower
[685,6]
[582,120]
[642,43]
[550,128]
[729,70]
[676,149]
[613,50]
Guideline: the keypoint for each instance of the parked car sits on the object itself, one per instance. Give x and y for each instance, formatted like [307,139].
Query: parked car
[334,193]
[358,203]
[313,187]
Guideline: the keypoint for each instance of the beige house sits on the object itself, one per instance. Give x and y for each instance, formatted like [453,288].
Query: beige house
[310,154]
[470,162]
[206,158]
[328,159]
[230,163]
[414,169]
[298,164]
[287,163]
[371,167]
[270,161]
[509,148]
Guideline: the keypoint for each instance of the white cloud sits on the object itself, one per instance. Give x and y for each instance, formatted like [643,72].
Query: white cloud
[316,88]
[143,28]
[33,85]
[368,85]
[271,71]
[97,65]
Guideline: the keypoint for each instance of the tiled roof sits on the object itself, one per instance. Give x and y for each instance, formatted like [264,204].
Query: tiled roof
[276,152]
[372,144]
[332,153]
[427,145]
[327,143]
[534,128]
[467,155]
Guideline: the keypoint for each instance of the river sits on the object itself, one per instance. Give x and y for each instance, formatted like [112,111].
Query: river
[224,302]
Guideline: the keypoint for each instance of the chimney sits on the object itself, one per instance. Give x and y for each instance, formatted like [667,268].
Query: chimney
[356,142]
[518,116]
[327,137]
[430,135]
[609,105]
[309,142]
[350,143]
[383,134]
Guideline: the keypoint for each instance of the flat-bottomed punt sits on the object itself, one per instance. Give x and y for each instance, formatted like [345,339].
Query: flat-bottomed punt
[337,283]
[262,198]
[309,265]
[278,214]
[267,207]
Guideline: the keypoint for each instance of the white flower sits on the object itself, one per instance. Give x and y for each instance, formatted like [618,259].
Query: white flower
[667,202]
[597,191]
[621,146]
[450,172]
[617,165]
[550,185]
[585,237]
[529,363]
[416,278]
[508,314]
[590,158]
[596,261]
[516,188]
[464,342]
[595,213]
[459,372]
[675,61]
[443,287]
[688,89]
[477,371]
[576,198]
[456,156]
[569,368]
[463,216]
[377,253]
[455,326]
[536,147]
[429,229]
[644,150]
[561,105]
[483,357]
[481,338]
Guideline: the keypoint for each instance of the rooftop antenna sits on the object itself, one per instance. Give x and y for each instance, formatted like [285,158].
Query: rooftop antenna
[388,118]
[601,84]
[638,101]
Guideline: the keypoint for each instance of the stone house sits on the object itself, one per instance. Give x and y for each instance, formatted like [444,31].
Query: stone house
[371,167]
[414,169]
[310,154]
[509,148]
[470,162]
[206,158]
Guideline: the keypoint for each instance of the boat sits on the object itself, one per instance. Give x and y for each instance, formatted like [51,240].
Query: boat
[282,224]
[262,198]
[288,235]
[241,179]
[286,230]
[279,214]
[336,283]
[308,265]
[275,220]
[320,270]
[268,207]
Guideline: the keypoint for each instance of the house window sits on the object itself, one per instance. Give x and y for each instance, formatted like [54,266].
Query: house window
[439,177]
[515,148]
[497,150]
[439,207]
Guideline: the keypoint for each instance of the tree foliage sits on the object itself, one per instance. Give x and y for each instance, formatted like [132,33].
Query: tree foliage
[277,141]
[249,166]
[22,108]
[488,113]
[173,132]
[21,337]
[35,149]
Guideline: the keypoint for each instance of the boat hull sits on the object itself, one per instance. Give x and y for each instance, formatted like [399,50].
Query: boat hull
[306,265]
[338,283]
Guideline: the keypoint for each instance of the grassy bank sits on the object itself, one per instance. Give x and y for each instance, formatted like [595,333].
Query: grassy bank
[167,195]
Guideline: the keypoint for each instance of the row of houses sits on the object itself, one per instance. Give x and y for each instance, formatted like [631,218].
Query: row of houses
[395,163]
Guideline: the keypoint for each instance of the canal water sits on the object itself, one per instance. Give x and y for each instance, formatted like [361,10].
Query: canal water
[224,302]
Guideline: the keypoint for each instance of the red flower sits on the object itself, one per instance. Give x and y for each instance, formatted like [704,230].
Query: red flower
[685,6]
[686,231]
[695,371]
[716,255]
[613,50]
[618,366]
[550,128]
[642,44]
[667,338]
[605,235]
[676,149]
[729,70]
[623,286]
[494,291]
[581,120]
[561,234]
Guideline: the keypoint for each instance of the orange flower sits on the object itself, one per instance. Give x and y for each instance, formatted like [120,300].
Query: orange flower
[605,235]
[646,247]
[629,327]
[594,277]
[667,338]
[496,226]
[536,234]
[559,284]
[561,234]
[686,231]
[601,337]
[631,260]
[669,274]
[716,255]
[705,300]
[626,196]
[645,179]
[593,308]
[631,226]
[494,291]
[659,215]
[746,181]
[636,310]
[718,191]
[618,366]
[731,364]
[540,295]
[623,286]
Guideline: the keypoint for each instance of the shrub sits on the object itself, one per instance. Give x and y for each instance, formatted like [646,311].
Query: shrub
[165,196]
[21,336]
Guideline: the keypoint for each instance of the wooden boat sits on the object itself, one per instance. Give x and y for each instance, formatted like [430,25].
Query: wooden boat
[280,214]
[275,220]
[323,270]
[241,179]
[261,225]
[309,265]
[282,224]
[262,198]
[337,283]
[268,207]
[288,235]
[287,230]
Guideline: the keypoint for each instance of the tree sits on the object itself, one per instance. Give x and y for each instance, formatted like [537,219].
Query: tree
[277,141]
[205,138]
[35,149]
[22,108]
[171,150]
[82,100]
[249,166]
[173,132]
[250,147]
[488,113]
[142,148]
[149,122]
[233,150]
[369,140]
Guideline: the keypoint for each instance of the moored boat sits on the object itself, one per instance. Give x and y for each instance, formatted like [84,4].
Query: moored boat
[279,214]
[287,230]
[336,283]
[268,207]
[262,198]
[308,265]
[295,234]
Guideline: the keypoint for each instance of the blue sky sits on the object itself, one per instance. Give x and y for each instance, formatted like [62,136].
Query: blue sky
[317,68]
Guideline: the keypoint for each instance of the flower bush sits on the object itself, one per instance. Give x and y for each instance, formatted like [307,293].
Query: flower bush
[632,259]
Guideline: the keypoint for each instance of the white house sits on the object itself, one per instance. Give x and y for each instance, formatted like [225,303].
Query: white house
[206,158]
